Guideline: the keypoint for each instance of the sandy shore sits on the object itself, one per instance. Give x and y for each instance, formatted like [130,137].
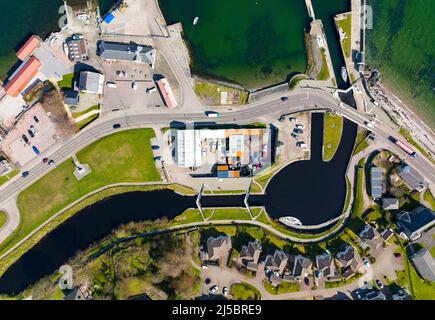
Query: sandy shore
[404,116]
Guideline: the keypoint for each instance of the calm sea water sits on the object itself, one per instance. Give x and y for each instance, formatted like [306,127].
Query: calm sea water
[402,46]
[252,42]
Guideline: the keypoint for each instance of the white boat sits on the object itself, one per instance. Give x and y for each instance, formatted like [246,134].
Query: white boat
[195,21]
[65,49]
[290,221]
[344,74]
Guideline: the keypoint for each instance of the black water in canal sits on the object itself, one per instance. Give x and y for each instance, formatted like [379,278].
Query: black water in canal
[312,191]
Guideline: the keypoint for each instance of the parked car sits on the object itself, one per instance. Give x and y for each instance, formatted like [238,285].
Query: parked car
[298,131]
[225,291]
[51,163]
[157,158]
[294,135]
[45,160]
[25,174]
[300,126]
[292,119]
[111,84]
[366,261]
[379,284]
[214,289]
[30,133]
[116,126]
[134,85]
[284,99]
[207,281]
[151,90]
[25,139]
[155,147]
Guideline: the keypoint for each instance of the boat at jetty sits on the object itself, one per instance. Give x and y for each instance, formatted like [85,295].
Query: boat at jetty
[195,21]
[344,74]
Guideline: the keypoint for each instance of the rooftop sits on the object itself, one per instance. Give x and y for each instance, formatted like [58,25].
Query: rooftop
[29,47]
[129,52]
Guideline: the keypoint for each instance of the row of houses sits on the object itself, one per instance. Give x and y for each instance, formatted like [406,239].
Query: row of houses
[281,266]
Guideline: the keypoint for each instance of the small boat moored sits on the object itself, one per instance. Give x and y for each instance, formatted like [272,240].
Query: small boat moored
[195,21]
[344,74]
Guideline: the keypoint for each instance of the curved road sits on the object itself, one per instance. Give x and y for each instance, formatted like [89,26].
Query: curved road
[298,101]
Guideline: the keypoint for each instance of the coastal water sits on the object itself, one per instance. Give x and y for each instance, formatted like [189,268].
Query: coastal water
[312,191]
[253,42]
[401,45]
[326,10]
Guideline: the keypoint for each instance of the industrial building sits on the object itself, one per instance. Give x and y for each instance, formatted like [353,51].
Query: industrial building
[22,76]
[223,153]
[77,49]
[128,52]
[29,47]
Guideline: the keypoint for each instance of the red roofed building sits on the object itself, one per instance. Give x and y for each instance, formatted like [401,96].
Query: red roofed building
[167,93]
[22,78]
[29,47]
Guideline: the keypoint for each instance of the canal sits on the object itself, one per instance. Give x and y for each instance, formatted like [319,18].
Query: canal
[312,191]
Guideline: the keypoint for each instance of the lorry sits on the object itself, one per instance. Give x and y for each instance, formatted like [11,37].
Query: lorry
[403,146]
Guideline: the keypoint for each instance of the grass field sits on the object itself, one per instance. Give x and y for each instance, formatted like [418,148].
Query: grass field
[244,291]
[346,25]
[429,198]
[333,127]
[211,93]
[121,157]
[3,218]
[361,141]
[324,72]
[67,81]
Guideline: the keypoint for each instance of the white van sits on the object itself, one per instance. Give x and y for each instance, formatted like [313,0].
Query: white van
[111,84]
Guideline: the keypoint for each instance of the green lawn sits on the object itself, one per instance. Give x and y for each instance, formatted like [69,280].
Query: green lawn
[67,81]
[244,291]
[346,25]
[229,214]
[3,218]
[284,287]
[358,203]
[333,127]
[324,72]
[420,289]
[9,176]
[121,157]
[211,92]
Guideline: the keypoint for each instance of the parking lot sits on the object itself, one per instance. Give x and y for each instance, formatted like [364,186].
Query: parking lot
[122,95]
[295,134]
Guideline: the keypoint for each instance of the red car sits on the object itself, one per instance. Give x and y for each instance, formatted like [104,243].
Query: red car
[45,160]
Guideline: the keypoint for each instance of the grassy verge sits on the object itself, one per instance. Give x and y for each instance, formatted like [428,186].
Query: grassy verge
[346,25]
[85,122]
[79,114]
[244,291]
[333,128]
[324,72]
[3,218]
[405,133]
[121,157]
[428,197]
[284,287]
[361,141]
[7,261]
[9,176]
[211,93]
[358,203]
[67,82]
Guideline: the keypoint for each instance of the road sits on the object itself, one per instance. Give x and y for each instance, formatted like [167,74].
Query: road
[297,102]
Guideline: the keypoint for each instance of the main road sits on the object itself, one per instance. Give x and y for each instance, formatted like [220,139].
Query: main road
[299,101]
